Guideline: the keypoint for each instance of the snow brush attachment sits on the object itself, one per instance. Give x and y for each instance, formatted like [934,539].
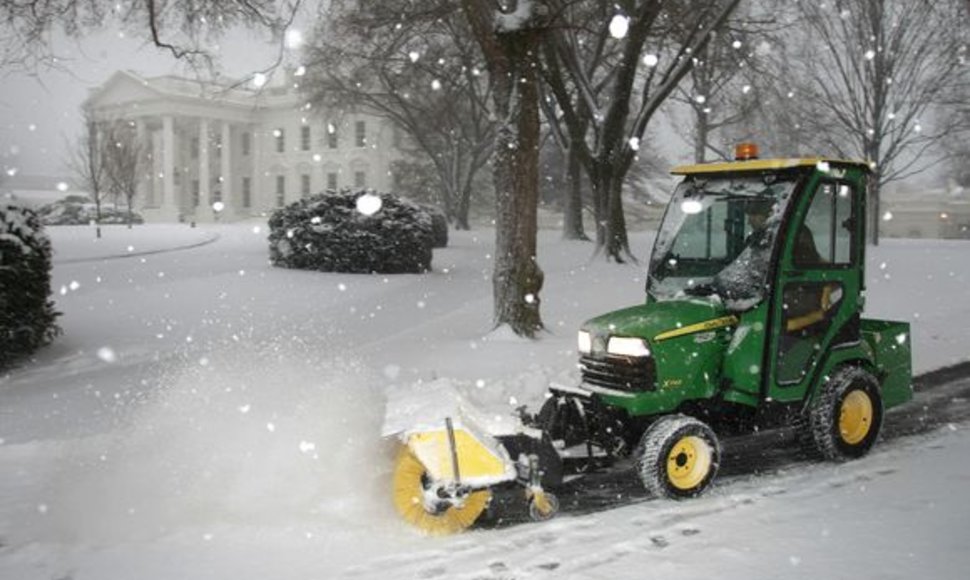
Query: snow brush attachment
[419,503]
[442,476]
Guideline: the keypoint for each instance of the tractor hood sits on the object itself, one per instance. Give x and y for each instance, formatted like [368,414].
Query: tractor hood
[658,321]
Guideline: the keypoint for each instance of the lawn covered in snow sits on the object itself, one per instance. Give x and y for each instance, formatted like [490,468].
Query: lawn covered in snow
[206,415]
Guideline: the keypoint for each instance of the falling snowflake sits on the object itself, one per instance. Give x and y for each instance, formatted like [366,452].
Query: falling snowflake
[414,55]
[369,204]
[651,60]
[107,354]
[619,26]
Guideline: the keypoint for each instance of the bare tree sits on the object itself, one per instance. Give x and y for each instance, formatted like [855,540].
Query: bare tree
[124,157]
[617,95]
[877,72]
[719,94]
[509,40]
[90,166]
[416,65]
[183,28]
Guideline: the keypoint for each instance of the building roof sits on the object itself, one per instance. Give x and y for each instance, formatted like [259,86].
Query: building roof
[762,165]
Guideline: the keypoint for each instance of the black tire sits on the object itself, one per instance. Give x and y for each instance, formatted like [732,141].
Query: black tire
[844,421]
[678,457]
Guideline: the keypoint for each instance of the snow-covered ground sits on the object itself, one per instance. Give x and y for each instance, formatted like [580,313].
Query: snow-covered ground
[206,415]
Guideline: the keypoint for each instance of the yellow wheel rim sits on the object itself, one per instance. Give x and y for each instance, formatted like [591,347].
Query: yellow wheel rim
[855,417]
[409,494]
[689,462]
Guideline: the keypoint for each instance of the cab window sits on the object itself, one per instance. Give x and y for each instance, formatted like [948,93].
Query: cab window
[825,236]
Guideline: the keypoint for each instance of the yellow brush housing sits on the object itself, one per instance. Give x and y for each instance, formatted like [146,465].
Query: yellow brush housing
[478,464]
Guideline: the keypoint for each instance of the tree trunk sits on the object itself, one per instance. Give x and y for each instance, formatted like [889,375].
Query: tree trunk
[611,233]
[700,139]
[572,223]
[513,71]
[461,212]
[617,242]
[875,217]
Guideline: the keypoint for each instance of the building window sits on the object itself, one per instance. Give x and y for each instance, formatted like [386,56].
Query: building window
[331,137]
[280,190]
[194,148]
[280,140]
[195,193]
[305,138]
[247,192]
[305,185]
[246,143]
[360,179]
[361,133]
[332,181]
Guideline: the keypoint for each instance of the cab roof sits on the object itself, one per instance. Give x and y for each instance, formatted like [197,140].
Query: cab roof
[763,165]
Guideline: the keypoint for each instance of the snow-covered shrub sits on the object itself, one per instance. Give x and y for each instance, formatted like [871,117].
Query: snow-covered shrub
[27,315]
[77,210]
[358,232]
[439,226]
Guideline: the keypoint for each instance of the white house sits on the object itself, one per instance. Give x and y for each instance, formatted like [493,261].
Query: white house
[933,213]
[252,150]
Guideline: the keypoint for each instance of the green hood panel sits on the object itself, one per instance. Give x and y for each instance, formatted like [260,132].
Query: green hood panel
[650,320]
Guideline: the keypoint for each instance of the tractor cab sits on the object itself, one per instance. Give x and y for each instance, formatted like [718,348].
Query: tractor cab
[776,248]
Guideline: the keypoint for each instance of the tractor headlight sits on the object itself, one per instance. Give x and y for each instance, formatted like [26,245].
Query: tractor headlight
[585,342]
[627,346]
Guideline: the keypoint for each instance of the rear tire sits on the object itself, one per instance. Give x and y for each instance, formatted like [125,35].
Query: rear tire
[677,457]
[845,420]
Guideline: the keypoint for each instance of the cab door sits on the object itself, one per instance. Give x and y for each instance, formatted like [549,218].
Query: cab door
[816,300]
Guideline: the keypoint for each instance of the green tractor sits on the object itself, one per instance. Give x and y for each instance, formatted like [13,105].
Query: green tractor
[752,320]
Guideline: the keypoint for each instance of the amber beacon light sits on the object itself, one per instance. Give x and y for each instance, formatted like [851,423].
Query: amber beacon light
[745,151]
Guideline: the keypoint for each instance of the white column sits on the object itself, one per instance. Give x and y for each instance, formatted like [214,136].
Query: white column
[144,171]
[256,195]
[169,203]
[204,200]
[157,169]
[225,167]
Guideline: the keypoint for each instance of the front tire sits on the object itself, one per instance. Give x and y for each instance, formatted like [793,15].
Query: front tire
[678,457]
[845,420]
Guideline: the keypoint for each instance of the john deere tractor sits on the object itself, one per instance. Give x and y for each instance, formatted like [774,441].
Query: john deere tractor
[752,320]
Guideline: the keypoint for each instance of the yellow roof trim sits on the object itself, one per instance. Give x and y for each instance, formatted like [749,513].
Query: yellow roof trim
[760,165]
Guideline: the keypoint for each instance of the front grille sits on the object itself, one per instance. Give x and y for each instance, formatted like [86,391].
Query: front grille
[620,373]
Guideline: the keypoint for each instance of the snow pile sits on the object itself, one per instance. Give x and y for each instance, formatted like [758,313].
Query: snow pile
[244,435]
